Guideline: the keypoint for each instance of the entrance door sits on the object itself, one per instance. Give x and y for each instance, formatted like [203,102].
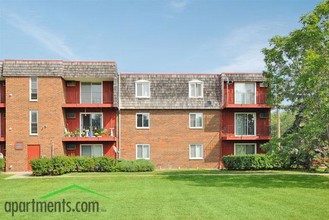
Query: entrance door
[33,152]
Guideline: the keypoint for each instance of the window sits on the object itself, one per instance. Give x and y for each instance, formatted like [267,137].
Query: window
[142,89]
[91,150]
[196,89]
[91,93]
[143,120]
[33,88]
[196,151]
[143,151]
[196,120]
[33,122]
[90,122]
[244,149]
[245,93]
[245,124]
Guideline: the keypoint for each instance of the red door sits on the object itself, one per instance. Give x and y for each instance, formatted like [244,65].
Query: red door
[33,152]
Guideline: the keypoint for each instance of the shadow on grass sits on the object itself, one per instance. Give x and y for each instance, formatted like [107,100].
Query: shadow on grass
[256,181]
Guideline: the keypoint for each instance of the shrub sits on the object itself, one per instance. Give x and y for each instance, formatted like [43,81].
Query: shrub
[41,166]
[134,166]
[62,165]
[84,164]
[104,164]
[2,164]
[248,162]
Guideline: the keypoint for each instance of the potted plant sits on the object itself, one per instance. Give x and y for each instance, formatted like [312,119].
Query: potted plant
[77,132]
[103,132]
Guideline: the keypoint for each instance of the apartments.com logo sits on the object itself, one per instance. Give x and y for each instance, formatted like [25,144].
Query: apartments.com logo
[62,206]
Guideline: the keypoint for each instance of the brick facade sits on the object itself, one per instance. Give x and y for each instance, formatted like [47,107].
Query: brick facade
[51,121]
[169,137]
[169,104]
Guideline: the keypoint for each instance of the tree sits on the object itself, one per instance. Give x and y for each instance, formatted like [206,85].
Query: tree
[297,72]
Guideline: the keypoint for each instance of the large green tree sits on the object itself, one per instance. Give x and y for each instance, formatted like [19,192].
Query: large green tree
[297,72]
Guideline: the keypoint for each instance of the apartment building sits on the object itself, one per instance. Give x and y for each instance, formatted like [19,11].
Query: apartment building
[85,108]
[245,116]
[171,119]
[55,108]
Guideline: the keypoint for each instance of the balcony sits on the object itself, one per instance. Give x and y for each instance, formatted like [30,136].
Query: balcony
[244,101]
[89,100]
[79,137]
[262,133]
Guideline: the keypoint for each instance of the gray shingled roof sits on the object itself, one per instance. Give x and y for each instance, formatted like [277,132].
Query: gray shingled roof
[70,69]
[169,91]
[244,77]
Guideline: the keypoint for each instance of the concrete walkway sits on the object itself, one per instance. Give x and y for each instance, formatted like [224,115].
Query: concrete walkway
[18,175]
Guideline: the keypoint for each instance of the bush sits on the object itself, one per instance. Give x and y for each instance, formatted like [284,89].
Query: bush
[104,164]
[2,164]
[249,162]
[84,164]
[134,166]
[62,165]
[41,166]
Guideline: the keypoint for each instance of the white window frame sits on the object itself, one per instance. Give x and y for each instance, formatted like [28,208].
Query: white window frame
[90,113]
[235,96]
[141,82]
[149,119]
[194,83]
[92,146]
[149,151]
[37,122]
[197,157]
[37,89]
[236,144]
[91,93]
[235,125]
[196,114]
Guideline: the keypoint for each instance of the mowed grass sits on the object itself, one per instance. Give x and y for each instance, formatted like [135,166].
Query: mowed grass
[178,195]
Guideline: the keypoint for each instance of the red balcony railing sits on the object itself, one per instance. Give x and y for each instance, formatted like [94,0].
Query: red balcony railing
[261,132]
[94,98]
[246,100]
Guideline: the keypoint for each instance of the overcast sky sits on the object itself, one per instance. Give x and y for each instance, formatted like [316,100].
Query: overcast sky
[172,36]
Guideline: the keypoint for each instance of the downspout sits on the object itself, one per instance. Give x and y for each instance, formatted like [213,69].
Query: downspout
[119,112]
[221,122]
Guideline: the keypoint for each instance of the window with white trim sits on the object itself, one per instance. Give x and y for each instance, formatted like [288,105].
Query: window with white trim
[33,122]
[196,120]
[245,124]
[241,149]
[33,88]
[91,93]
[91,150]
[245,93]
[143,120]
[142,89]
[196,89]
[196,151]
[143,151]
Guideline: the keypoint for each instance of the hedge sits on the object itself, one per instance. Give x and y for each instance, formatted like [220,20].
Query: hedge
[134,166]
[2,164]
[249,162]
[63,164]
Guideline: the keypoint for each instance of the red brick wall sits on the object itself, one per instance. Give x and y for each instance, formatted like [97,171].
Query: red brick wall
[169,137]
[51,119]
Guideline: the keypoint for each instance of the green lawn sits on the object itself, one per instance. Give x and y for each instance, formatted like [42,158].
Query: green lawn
[178,195]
